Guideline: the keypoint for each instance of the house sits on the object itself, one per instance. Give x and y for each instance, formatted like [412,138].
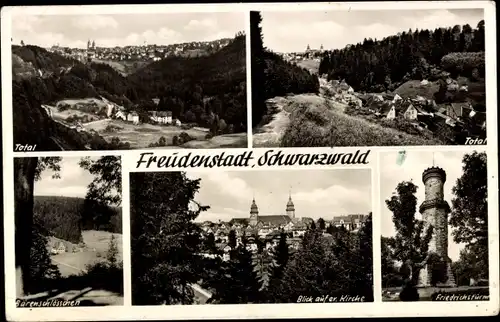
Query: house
[60,247]
[391,114]
[350,222]
[121,115]
[164,117]
[350,90]
[156,101]
[410,113]
[177,122]
[130,117]
[424,82]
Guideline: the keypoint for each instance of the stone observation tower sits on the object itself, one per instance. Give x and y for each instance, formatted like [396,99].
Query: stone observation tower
[435,212]
[290,208]
[254,214]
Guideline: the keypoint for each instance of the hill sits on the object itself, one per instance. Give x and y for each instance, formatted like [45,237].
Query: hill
[62,217]
[379,65]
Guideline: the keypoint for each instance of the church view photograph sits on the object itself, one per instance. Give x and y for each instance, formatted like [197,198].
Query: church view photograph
[368,77]
[129,81]
[434,224]
[241,237]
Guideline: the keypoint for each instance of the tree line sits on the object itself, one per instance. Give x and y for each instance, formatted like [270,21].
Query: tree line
[166,248]
[379,65]
[405,254]
[271,75]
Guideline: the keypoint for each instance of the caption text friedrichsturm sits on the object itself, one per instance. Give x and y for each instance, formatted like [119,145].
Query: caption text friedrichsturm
[248,159]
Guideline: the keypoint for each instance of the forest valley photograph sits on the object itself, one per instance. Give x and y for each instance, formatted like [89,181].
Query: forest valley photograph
[190,94]
[179,260]
[419,86]
[68,234]
[443,251]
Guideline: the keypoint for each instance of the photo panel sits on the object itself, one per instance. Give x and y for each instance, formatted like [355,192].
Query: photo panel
[368,77]
[129,81]
[251,237]
[434,225]
[68,231]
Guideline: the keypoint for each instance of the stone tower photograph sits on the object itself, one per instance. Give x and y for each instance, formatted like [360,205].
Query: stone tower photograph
[434,224]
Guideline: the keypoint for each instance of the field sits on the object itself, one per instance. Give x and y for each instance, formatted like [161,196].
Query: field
[312,121]
[142,135]
[413,88]
[123,67]
[97,243]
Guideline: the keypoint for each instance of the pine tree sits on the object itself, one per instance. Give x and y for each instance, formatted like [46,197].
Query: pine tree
[112,253]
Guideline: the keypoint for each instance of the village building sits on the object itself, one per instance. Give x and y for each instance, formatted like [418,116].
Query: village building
[411,113]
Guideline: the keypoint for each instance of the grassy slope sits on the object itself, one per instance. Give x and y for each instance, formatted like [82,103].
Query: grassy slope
[309,64]
[319,125]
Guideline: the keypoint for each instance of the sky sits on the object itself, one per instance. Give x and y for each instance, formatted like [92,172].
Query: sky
[315,193]
[293,31]
[125,29]
[414,165]
[73,180]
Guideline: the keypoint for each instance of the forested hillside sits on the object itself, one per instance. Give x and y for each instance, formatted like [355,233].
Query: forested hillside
[62,217]
[271,75]
[379,65]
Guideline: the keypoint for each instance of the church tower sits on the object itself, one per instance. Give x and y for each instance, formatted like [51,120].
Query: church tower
[435,212]
[290,207]
[254,214]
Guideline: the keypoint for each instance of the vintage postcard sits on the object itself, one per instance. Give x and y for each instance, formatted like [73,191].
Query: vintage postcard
[255,161]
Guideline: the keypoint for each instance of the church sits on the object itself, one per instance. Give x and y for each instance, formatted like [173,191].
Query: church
[271,220]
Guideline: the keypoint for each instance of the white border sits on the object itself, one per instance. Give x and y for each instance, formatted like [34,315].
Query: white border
[377,308]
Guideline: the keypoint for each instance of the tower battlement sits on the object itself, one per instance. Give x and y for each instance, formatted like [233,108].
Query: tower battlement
[434,172]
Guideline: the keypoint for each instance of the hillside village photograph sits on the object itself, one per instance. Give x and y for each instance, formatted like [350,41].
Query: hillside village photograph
[434,225]
[129,81]
[68,230]
[368,78]
[242,237]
